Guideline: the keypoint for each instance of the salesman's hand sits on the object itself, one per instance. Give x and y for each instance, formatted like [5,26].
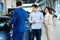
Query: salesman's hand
[34,21]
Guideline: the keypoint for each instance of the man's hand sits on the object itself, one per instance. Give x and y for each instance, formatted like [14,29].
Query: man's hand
[34,21]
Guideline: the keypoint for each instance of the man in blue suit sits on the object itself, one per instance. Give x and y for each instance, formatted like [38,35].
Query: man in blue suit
[18,22]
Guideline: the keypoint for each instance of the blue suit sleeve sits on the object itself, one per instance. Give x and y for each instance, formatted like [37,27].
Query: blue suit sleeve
[13,20]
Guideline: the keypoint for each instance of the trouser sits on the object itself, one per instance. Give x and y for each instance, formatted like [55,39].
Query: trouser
[37,33]
[49,32]
[18,36]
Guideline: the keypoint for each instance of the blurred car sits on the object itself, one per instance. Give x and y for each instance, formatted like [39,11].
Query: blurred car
[4,28]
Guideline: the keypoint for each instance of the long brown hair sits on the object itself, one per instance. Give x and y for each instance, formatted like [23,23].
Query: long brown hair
[49,9]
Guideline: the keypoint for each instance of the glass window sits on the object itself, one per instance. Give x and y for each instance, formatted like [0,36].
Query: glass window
[29,1]
[13,2]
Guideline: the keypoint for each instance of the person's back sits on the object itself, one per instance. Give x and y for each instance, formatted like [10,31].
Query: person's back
[19,25]
[18,22]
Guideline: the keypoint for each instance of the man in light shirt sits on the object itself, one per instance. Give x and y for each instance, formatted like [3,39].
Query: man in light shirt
[36,19]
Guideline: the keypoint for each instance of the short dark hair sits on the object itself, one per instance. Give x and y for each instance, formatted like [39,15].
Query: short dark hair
[18,3]
[35,5]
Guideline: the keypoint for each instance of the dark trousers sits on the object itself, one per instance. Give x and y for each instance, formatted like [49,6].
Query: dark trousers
[37,33]
[18,36]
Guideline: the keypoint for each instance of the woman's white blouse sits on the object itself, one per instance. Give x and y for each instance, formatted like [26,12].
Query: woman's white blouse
[48,19]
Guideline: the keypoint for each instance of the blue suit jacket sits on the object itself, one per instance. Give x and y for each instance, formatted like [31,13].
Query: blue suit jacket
[18,20]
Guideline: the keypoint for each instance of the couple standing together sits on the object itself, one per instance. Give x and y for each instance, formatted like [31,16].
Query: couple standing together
[38,19]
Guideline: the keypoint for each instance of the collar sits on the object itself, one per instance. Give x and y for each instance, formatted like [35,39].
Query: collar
[19,6]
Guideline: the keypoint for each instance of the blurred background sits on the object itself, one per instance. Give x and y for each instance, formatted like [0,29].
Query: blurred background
[6,10]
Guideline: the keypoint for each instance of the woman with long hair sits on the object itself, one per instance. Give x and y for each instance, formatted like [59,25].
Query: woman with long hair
[48,22]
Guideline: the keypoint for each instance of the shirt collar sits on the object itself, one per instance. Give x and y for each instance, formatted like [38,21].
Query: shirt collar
[19,7]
